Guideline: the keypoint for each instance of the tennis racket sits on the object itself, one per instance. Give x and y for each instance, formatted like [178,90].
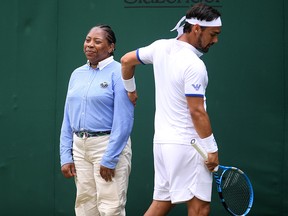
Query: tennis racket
[233,185]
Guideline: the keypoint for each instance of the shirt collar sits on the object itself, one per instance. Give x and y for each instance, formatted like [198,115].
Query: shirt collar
[196,51]
[102,64]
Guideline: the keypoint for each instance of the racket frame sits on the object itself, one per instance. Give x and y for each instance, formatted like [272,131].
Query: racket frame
[218,179]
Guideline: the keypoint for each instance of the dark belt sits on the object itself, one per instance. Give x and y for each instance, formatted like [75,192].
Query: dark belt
[88,134]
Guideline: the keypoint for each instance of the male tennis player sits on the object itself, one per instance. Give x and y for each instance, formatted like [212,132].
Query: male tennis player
[180,82]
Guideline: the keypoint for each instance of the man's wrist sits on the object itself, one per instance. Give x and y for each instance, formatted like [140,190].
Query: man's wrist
[130,84]
[209,143]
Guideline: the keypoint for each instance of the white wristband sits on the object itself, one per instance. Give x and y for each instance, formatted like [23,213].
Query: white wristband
[129,84]
[209,143]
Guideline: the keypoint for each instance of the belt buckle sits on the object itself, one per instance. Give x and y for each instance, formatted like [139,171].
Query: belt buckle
[84,135]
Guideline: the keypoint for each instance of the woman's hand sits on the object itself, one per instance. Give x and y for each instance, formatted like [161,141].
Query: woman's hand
[68,170]
[106,173]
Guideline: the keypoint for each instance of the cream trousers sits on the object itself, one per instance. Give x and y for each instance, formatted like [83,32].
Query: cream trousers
[95,196]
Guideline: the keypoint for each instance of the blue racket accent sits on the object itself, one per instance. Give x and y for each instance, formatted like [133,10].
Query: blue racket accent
[233,185]
[234,189]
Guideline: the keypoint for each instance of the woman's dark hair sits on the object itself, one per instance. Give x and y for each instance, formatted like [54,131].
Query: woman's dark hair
[110,35]
[201,12]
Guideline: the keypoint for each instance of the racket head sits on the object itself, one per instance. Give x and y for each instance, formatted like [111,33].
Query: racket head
[235,190]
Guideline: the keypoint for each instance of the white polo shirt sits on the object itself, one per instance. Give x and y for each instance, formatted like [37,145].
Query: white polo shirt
[178,72]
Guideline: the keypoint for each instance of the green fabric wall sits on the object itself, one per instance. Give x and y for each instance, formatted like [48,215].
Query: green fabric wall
[41,44]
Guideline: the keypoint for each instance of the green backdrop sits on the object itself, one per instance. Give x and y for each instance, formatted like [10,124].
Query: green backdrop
[41,44]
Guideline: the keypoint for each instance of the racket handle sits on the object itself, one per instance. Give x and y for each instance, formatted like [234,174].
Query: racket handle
[199,149]
[202,152]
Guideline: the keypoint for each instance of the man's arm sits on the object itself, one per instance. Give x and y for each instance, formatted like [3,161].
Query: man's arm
[202,126]
[128,63]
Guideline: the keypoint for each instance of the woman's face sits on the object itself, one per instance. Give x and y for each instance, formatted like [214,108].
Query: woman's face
[96,46]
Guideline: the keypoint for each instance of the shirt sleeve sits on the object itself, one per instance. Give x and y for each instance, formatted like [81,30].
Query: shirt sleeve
[145,54]
[121,127]
[66,138]
[196,79]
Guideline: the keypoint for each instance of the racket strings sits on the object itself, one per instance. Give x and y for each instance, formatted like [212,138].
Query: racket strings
[236,191]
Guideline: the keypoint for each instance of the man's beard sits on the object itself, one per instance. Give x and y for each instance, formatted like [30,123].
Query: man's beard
[200,47]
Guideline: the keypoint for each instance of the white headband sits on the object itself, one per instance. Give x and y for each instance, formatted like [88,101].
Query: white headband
[214,23]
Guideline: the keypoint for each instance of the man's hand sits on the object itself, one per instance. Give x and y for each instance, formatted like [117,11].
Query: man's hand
[133,97]
[106,173]
[68,170]
[212,161]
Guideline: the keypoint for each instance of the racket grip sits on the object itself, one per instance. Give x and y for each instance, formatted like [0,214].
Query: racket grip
[202,152]
[199,149]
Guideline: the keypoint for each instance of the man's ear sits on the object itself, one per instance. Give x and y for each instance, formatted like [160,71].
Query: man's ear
[196,29]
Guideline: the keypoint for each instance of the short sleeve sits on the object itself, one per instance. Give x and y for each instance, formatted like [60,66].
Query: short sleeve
[196,80]
[146,54]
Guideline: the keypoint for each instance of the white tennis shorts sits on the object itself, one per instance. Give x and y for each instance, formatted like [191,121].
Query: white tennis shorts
[180,174]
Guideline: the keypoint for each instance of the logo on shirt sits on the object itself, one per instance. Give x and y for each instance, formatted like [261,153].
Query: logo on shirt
[104,85]
[196,86]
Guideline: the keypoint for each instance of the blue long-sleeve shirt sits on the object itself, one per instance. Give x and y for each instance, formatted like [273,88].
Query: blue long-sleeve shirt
[97,101]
